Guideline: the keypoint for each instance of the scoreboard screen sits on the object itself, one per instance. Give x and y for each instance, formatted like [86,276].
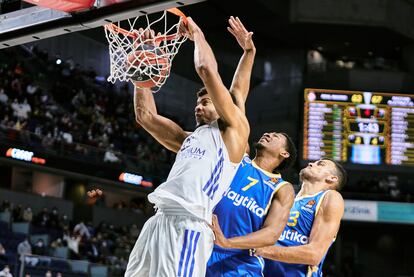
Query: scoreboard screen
[359,127]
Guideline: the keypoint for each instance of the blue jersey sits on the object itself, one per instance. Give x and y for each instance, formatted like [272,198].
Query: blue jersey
[296,233]
[241,211]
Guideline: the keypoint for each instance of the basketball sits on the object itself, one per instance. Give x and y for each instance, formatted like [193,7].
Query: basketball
[147,66]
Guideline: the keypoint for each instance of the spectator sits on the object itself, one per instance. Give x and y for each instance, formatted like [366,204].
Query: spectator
[6,272]
[28,214]
[64,222]
[5,206]
[24,248]
[73,245]
[39,248]
[3,256]
[43,218]
[18,213]
[134,231]
[3,97]
[110,155]
[31,89]
[56,243]
[92,250]
[81,230]
[48,273]
[54,218]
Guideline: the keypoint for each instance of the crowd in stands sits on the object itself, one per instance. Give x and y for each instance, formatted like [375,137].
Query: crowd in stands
[103,244]
[63,106]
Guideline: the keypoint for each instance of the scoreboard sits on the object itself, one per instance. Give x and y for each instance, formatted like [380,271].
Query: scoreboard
[359,127]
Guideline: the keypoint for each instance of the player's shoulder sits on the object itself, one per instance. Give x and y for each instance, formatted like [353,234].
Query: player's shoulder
[285,188]
[333,202]
[333,196]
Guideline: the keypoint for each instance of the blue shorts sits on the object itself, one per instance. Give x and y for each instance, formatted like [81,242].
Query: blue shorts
[232,263]
[279,269]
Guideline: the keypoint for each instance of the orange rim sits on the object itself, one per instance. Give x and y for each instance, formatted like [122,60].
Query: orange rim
[179,13]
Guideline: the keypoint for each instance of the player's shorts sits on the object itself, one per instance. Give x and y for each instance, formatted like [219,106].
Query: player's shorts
[230,263]
[171,243]
[280,269]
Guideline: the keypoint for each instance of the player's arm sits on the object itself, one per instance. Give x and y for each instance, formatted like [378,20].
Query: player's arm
[241,80]
[206,67]
[272,228]
[164,130]
[324,230]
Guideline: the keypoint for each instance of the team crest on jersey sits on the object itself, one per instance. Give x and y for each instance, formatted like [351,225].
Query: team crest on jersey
[190,151]
[308,206]
[186,143]
[274,180]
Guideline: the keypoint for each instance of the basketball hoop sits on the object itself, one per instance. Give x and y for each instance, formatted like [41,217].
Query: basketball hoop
[146,62]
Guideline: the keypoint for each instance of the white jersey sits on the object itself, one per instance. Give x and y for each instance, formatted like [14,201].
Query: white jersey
[200,175]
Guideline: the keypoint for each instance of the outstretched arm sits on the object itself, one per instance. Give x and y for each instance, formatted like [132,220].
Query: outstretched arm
[206,67]
[272,228]
[164,130]
[241,80]
[324,230]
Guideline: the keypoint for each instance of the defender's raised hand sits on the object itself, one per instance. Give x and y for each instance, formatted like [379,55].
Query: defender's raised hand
[243,37]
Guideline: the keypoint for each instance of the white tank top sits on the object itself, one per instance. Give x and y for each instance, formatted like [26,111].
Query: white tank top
[201,173]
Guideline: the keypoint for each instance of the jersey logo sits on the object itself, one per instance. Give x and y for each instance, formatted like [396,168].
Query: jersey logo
[188,151]
[274,180]
[186,143]
[293,236]
[308,206]
[244,201]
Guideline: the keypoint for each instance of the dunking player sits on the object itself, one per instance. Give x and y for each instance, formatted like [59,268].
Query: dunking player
[255,208]
[177,241]
[313,223]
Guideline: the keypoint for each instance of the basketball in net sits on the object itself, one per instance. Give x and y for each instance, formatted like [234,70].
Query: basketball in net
[147,66]
[145,61]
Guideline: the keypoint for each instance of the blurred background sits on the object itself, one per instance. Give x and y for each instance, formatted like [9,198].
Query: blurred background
[337,76]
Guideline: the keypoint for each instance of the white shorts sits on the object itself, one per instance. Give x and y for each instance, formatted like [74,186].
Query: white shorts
[171,243]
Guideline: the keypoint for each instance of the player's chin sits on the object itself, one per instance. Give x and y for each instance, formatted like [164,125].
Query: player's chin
[259,145]
[200,122]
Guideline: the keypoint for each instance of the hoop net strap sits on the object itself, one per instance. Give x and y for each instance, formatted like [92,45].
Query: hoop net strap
[155,63]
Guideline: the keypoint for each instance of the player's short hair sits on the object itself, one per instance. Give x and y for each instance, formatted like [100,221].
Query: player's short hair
[340,173]
[203,91]
[291,149]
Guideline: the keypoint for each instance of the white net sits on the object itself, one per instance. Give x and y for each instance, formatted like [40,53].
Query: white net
[146,62]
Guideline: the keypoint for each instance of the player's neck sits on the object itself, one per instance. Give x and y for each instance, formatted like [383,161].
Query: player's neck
[310,188]
[266,163]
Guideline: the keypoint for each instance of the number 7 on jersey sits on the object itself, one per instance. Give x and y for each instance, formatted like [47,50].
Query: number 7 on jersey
[251,184]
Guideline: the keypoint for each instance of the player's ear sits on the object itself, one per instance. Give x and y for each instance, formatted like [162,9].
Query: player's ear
[332,179]
[285,154]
